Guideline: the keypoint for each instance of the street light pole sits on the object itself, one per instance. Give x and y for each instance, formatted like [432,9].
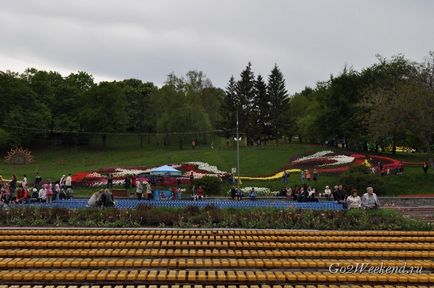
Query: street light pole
[238,152]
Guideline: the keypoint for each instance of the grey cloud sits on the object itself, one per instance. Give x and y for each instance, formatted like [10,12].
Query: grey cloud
[309,40]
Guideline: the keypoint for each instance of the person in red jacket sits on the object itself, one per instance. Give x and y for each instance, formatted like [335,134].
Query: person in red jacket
[22,196]
[200,193]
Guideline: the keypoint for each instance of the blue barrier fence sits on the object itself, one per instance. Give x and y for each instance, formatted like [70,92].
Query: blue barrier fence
[124,203]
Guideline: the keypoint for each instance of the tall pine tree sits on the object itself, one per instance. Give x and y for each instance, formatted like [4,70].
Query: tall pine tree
[262,110]
[279,103]
[229,108]
[245,93]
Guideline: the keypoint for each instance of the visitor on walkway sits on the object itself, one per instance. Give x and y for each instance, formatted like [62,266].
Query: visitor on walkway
[327,192]
[42,195]
[24,182]
[285,176]
[200,193]
[139,190]
[49,190]
[110,181]
[308,175]
[62,182]
[354,200]
[68,181]
[5,197]
[315,174]
[369,199]
[148,190]
[95,199]
[340,195]
[239,194]
[38,180]
[13,185]
[22,195]
[233,192]
[425,167]
[252,194]
[107,199]
[56,190]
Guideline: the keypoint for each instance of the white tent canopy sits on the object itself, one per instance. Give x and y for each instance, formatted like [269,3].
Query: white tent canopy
[165,170]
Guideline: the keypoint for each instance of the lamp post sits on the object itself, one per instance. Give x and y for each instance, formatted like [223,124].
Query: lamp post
[238,139]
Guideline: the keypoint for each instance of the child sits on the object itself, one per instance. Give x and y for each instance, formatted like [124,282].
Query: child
[49,189]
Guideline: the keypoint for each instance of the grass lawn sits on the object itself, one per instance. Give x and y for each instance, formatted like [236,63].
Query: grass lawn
[255,161]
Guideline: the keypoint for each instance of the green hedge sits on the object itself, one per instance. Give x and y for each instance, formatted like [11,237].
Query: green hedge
[211,185]
[358,177]
[194,217]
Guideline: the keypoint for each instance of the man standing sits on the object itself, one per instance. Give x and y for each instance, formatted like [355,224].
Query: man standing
[369,199]
[68,181]
[38,180]
[425,167]
[285,176]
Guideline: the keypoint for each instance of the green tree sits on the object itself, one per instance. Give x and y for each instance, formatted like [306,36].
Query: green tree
[228,109]
[22,115]
[245,93]
[262,110]
[180,120]
[212,99]
[423,109]
[104,110]
[383,85]
[278,96]
[138,106]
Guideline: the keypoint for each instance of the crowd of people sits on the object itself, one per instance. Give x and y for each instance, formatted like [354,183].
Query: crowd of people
[101,198]
[349,200]
[20,192]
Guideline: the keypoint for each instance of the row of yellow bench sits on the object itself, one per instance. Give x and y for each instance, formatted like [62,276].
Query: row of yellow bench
[213,286]
[182,263]
[259,232]
[219,257]
[216,253]
[226,238]
[193,276]
[218,244]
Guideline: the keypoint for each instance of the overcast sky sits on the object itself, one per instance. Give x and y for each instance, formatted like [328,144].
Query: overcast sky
[147,39]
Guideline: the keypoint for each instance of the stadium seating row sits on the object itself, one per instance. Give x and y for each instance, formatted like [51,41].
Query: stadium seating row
[215,253]
[212,286]
[219,244]
[238,238]
[227,258]
[201,276]
[183,263]
[220,232]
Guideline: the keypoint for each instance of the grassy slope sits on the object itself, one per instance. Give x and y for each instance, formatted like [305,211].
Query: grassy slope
[52,163]
[55,162]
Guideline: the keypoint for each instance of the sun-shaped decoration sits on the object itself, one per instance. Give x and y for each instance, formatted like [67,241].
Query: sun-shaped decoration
[18,156]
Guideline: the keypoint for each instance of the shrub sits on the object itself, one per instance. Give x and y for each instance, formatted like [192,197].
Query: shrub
[210,216]
[211,185]
[359,178]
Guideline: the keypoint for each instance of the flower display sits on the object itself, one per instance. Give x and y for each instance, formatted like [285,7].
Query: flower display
[323,159]
[260,191]
[316,155]
[208,168]
[276,176]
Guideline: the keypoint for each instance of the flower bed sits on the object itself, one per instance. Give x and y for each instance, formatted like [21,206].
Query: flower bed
[100,177]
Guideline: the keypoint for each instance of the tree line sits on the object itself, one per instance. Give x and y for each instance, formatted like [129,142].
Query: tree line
[38,105]
[389,103]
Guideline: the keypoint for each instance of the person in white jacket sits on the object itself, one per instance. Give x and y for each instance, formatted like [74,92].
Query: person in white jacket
[369,199]
[354,200]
